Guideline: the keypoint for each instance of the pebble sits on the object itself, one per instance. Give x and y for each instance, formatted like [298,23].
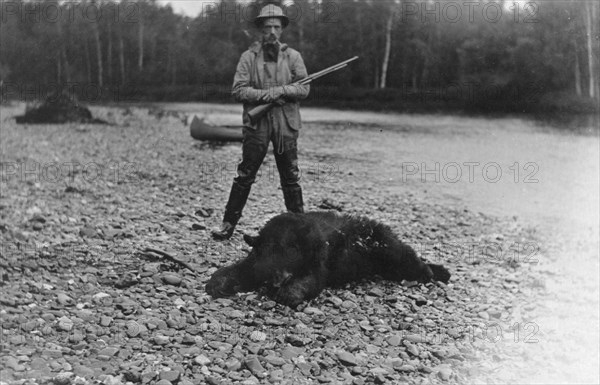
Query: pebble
[445,373]
[65,324]
[233,365]
[415,338]
[202,360]
[412,349]
[169,375]
[109,351]
[258,336]
[275,360]
[313,311]
[394,340]
[171,279]
[64,299]
[161,340]
[346,358]
[105,321]
[290,352]
[254,365]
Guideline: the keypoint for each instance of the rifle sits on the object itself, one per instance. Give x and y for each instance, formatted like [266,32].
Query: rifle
[259,111]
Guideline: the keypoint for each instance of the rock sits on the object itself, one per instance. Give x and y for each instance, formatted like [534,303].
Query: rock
[202,360]
[111,380]
[13,363]
[276,376]
[161,340]
[65,324]
[198,226]
[275,360]
[169,375]
[254,365]
[83,371]
[171,279]
[409,283]
[191,351]
[64,299]
[375,292]
[133,329]
[346,358]
[290,352]
[406,368]
[88,232]
[236,314]
[109,351]
[312,311]
[63,378]
[100,296]
[445,373]
[394,340]
[412,349]
[415,338]
[233,365]
[258,336]
[105,321]
[163,382]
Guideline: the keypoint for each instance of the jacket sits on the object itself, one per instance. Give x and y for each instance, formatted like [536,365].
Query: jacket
[249,88]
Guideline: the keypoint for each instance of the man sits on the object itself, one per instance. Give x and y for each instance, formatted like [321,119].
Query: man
[265,74]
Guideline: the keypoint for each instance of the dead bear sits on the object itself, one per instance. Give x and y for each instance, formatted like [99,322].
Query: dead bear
[295,256]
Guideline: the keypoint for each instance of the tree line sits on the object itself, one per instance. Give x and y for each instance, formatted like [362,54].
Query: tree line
[411,52]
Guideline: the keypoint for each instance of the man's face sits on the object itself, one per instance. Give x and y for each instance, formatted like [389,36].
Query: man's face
[271,30]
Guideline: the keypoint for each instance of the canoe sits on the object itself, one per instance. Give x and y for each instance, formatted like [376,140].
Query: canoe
[200,130]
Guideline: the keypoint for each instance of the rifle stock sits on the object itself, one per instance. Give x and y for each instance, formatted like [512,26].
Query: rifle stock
[258,111]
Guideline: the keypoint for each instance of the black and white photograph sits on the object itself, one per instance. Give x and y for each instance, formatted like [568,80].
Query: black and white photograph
[299,192]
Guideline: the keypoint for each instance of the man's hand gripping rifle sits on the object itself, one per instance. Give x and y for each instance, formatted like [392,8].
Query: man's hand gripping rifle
[257,112]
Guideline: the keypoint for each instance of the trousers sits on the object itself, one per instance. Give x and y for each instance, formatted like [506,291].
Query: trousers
[254,149]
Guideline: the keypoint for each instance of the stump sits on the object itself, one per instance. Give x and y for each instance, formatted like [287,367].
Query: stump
[58,109]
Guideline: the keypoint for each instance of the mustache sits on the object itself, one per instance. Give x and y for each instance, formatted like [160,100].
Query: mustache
[272,39]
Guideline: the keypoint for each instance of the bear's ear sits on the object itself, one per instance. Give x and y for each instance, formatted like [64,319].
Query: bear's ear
[251,240]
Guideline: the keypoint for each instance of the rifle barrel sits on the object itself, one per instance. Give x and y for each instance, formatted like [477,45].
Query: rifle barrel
[317,75]
[320,74]
[328,70]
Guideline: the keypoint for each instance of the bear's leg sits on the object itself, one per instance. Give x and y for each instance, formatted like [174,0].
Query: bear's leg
[298,290]
[440,273]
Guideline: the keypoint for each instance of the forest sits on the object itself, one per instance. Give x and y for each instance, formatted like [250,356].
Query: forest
[463,56]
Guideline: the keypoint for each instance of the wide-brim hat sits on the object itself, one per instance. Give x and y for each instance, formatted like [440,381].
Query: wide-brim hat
[270,11]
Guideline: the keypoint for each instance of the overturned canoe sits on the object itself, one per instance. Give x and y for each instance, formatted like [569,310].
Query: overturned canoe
[200,130]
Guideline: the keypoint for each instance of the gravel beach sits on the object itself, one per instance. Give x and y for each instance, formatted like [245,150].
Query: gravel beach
[84,301]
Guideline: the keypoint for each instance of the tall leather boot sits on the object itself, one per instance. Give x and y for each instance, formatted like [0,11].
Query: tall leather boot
[233,211]
[293,199]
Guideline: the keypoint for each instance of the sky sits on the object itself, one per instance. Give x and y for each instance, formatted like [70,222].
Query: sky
[187,7]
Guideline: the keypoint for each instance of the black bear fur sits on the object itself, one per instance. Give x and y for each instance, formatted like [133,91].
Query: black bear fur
[295,256]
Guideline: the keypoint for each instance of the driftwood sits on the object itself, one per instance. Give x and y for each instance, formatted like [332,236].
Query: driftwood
[200,130]
[57,109]
[170,258]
